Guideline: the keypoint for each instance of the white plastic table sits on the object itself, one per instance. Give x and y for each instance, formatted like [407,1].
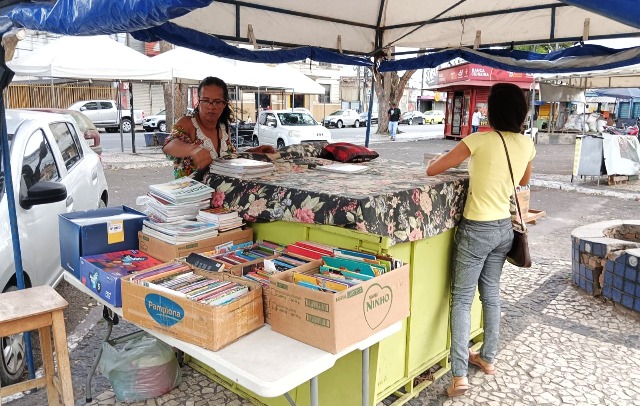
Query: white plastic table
[265,362]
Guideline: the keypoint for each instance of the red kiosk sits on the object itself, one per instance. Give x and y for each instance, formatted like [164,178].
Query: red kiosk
[467,87]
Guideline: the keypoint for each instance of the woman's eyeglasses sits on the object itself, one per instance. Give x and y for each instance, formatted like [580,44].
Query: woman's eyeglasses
[213,103]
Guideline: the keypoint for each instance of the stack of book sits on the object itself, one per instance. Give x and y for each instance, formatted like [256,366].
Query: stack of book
[241,168]
[180,232]
[179,199]
[180,280]
[225,218]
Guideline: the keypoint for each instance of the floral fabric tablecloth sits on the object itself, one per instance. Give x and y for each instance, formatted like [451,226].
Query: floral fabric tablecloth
[393,199]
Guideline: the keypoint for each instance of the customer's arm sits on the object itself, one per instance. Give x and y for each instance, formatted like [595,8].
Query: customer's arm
[448,160]
[527,175]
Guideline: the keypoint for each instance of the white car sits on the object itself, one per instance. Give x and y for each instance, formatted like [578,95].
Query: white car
[281,128]
[342,118]
[54,171]
[156,122]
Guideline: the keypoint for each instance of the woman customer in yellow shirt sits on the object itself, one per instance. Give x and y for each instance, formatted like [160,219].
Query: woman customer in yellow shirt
[485,234]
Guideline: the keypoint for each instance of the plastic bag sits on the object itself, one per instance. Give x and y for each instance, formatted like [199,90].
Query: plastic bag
[143,368]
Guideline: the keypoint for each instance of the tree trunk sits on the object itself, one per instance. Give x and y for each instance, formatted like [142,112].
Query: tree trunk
[389,87]
[180,95]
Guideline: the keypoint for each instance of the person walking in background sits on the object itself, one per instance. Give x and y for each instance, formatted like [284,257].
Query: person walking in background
[394,117]
[485,235]
[475,120]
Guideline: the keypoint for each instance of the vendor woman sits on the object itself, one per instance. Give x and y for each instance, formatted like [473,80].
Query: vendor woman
[197,140]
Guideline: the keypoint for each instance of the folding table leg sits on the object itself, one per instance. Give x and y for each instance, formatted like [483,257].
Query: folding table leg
[289,399]
[110,322]
[314,391]
[365,377]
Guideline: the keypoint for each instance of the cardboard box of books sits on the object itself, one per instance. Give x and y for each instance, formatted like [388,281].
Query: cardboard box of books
[208,309]
[98,231]
[239,256]
[165,251]
[309,309]
[102,273]
[263,271]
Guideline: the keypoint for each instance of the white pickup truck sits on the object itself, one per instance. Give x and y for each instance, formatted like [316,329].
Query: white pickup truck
[104,113]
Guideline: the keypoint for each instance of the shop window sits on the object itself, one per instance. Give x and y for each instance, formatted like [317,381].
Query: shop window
[38,163]
[326,97]
[465,110]
[483,108]
[66,139]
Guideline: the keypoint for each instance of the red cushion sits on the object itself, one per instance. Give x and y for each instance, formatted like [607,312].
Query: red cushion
[347,152]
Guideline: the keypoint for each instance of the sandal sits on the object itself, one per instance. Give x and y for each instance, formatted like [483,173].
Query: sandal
[487,368]
[459,385]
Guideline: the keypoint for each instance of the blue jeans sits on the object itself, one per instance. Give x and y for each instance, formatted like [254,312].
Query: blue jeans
[474,128]
[479,252]
[393,128]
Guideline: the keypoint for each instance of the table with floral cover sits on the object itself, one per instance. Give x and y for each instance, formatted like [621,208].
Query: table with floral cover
[391,198]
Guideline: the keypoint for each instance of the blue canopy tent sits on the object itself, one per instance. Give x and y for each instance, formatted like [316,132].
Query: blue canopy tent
[344,32]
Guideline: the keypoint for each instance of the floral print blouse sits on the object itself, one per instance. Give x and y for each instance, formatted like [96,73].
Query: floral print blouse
[185,166]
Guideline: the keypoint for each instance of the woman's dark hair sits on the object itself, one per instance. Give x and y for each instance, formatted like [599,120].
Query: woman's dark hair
[227,114]
[507,107]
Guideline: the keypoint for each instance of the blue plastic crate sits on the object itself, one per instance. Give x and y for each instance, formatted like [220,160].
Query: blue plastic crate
[636,305]
[618,282]
[608,278]
[606,291]
[618,268]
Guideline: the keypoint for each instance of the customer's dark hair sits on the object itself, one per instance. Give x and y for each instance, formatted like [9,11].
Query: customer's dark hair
[226,114]
[507,107]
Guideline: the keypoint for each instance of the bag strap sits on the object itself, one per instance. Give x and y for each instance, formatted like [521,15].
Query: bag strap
[515,194]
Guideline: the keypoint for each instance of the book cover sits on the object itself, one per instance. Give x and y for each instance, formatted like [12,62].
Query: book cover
[123,262]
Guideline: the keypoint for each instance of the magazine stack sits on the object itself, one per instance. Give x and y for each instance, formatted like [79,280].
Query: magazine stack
[180,199]
[225,219]
[241,168]
[180,232]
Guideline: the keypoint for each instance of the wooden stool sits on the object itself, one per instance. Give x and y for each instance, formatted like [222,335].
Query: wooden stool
[40,308]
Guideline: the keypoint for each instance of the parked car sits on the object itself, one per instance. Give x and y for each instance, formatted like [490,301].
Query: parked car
[364,116]
[342,118]
[54,172]
[245,133]
[86,127]
[434,116]
[157,121]
[281,128]
[104,114]
[412,117]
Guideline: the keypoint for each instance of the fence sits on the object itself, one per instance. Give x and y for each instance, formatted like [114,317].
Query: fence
[56,96]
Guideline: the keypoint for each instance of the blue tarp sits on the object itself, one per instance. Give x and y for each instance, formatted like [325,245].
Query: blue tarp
[579,58]
[150,20]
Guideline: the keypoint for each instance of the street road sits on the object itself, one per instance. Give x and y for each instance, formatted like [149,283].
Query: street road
[111,141]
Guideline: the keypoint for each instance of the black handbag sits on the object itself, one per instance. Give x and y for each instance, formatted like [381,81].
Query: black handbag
[519,253]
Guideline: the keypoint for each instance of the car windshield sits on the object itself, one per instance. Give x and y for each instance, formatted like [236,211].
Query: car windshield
[160,113]
[296,118]
[337,113]
[82,121]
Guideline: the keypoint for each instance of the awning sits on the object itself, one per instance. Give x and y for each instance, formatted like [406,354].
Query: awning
[474,83]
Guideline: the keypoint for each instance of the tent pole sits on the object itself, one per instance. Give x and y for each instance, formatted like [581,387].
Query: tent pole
[133,119]
[366,138]
[7,75]
[173,108]
[53,95]
[533,111]
[237,120]
[118,105]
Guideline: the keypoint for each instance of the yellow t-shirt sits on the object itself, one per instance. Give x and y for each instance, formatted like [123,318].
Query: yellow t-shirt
[490,184]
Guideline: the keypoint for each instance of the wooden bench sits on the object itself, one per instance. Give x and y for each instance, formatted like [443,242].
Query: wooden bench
[40,308]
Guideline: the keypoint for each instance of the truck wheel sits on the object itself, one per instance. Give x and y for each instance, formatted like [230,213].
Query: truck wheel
[255,142]
[162,126]
[280,144]
[12,356]
[126,125]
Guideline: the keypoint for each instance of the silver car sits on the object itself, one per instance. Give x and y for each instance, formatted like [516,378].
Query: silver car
[54,172]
